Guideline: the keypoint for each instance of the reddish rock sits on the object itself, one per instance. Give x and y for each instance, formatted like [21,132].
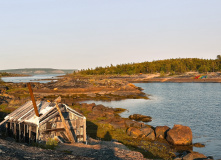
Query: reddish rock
[138,124]
[139,117]
[118,123]
[148,132]
[98,108]
[161,131]
[179,135]
[90,106]
[146,119]
[199,145]
[194,155]
[92,116]
[109,115]
[133,132]
[129,123]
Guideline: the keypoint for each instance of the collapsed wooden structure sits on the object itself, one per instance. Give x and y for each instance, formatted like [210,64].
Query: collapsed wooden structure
[24,125]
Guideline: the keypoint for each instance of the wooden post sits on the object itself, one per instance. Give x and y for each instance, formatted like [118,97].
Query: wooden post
[10,129]
[6,126]
[29,134]
[24,133]
[33,99]
[84,130]
[15,131]
[19,132]
[36,134]
[70,136]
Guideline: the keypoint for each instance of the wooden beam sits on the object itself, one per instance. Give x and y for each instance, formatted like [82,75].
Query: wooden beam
[33,99]
[70,136]
[55,129]
[58,100]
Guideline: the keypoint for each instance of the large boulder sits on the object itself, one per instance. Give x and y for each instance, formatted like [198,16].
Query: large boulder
[133,132]
[148,132]
[179,135]
[161,131]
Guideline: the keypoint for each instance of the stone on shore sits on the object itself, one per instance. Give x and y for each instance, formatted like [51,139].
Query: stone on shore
[118,123]
[199,145]
[179,135]
[133,132]
[139,117]
[194,155]
[148,132]
[161,131]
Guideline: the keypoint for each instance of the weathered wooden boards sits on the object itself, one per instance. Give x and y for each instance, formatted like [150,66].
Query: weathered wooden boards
[55,120]
[70,136]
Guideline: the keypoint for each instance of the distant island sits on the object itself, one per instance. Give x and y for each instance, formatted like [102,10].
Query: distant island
[34,71]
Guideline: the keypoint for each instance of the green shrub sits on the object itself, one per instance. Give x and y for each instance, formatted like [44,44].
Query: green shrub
[51,143]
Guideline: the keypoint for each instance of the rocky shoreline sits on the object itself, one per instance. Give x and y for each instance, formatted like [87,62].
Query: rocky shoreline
[153,142]
[188,77]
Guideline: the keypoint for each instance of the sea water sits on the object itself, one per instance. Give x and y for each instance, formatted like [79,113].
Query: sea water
[42,78]
[197,105]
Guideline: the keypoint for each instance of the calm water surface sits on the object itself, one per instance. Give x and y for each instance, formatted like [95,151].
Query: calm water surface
[33,78]
[197,105]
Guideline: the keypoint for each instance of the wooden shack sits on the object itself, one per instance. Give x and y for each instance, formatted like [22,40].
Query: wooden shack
[54,120]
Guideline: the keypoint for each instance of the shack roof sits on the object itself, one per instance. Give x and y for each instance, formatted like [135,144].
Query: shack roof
[47,110]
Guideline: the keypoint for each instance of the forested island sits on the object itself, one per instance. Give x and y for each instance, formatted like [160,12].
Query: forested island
[169,66]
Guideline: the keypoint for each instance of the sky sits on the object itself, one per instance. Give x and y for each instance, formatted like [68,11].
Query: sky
[81,34]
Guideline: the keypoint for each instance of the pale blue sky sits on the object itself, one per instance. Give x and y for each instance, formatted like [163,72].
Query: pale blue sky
[80,34]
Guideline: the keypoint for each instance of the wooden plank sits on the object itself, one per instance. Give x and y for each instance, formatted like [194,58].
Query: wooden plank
[70,136]
[55,129]
[46,114]
[48,118]
[33,99]
[18,110]
[4,121]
